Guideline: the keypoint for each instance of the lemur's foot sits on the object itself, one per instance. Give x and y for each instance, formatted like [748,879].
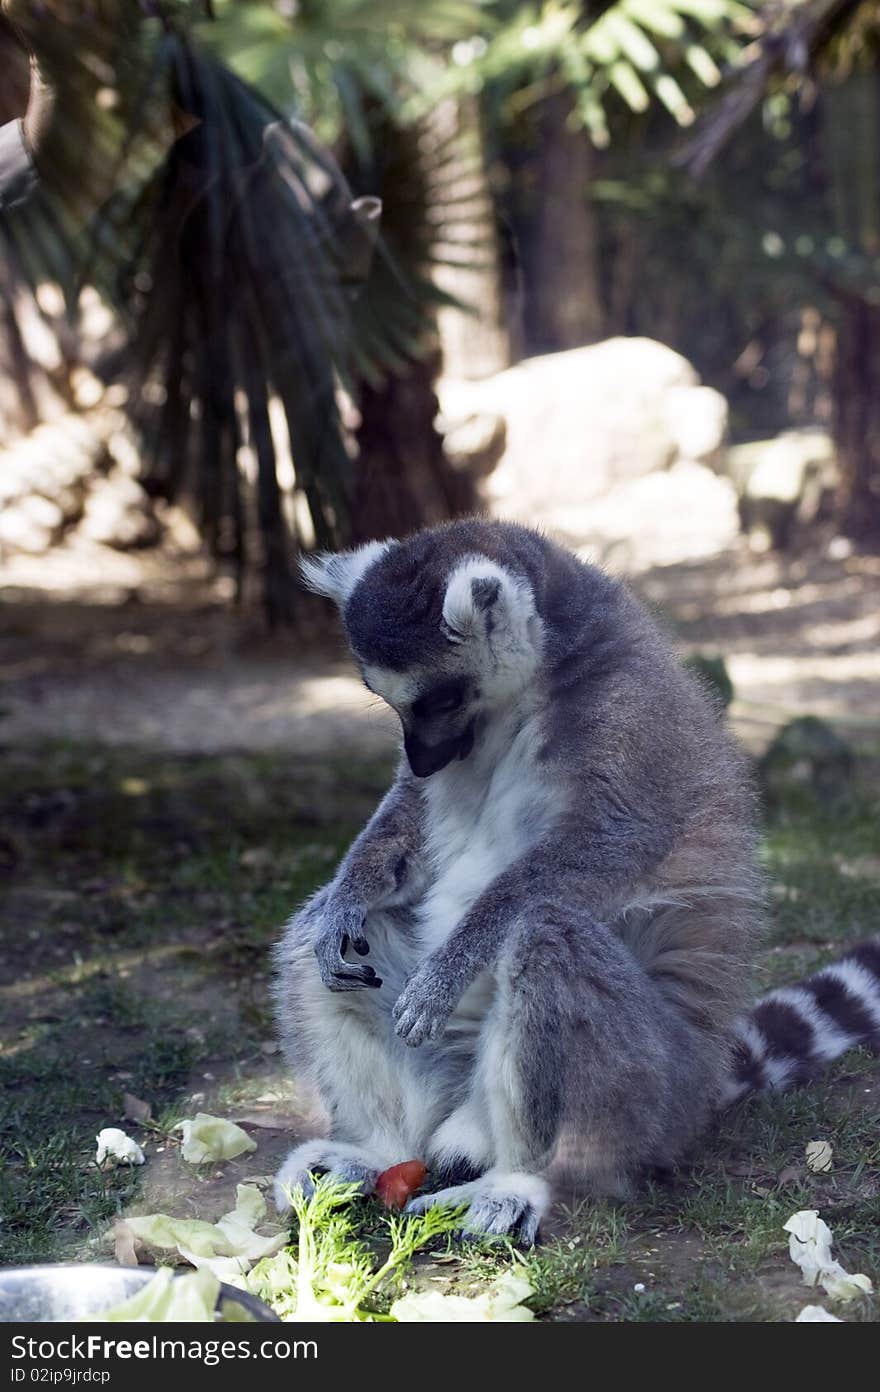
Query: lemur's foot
[498,1205]
[345,1163]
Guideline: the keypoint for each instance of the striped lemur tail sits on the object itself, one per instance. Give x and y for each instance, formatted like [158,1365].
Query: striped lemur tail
[793,1032]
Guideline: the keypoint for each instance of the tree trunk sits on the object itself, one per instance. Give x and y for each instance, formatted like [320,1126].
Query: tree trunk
[565,303]
[857,419]
[404,480]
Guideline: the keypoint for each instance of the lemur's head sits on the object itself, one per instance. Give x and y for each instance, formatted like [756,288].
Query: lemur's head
[443,626]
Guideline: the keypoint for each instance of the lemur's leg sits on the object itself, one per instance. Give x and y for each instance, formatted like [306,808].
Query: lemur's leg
[461,1148]
[580,1073]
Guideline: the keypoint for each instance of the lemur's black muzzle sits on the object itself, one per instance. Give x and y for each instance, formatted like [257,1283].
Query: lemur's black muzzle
[425,759]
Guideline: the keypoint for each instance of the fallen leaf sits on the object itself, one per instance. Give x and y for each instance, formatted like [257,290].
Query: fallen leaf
[228,1247]
[819,1155]
[124,1245]
[189,1299]
[134,1109]
[841,1286]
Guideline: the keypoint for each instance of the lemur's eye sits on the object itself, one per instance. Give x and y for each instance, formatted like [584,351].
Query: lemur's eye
[442,701]
[444,704]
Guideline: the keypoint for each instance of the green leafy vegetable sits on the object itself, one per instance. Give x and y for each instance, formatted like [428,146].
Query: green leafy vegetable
[190,1299]
[209,1138]
[227,1248]
[330,1275]
[502,1303]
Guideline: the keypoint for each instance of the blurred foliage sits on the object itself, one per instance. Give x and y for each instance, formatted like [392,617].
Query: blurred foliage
[750,269]
[816,61]
[724,269]
[225,236]
[171,158]
[350,69]
[180,179]
[633,53]
[807,756]
[711,670]
[330,58]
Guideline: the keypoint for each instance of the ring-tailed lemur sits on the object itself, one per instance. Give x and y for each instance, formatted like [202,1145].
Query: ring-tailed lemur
[558,895]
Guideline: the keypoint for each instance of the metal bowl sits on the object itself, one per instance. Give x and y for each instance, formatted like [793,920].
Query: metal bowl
[51,1294]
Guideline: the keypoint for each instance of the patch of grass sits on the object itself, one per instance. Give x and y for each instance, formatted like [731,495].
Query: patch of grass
[141,897]
[52,1195]
[563,1270]
[823,865]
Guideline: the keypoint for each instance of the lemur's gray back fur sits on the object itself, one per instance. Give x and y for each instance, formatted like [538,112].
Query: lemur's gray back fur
[559,894]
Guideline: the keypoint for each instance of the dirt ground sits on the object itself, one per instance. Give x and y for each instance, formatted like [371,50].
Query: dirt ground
[166,662]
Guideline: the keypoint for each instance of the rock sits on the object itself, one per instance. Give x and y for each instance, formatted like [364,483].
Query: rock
[75,473]
[88,389]
[475,445]
[807,754]
[118,513]
[30,524]
[42,512]
[62,455]
[649,521]
[18,532]
[781,482]
[584,423]
[696,418]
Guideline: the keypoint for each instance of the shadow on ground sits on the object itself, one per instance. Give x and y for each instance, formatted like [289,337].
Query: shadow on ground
[141,895]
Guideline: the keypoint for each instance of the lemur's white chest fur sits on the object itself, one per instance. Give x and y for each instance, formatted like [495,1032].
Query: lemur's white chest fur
[482,815]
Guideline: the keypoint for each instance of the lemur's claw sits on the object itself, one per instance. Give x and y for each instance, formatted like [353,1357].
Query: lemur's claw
[351,978]
[343,927]
[336,973]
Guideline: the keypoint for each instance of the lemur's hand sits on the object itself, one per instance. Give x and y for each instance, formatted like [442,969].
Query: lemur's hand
[426,1002]
[342,923]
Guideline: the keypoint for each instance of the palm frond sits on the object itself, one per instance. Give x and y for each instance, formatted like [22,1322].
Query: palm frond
[632,52]
[253,278]
[227,240]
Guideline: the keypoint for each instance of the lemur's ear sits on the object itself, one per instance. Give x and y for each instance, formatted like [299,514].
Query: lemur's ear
[335,573]
[485,589]
[480,590]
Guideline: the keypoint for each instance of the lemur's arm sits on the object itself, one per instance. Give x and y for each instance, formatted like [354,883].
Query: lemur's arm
[383,867]
[587,866]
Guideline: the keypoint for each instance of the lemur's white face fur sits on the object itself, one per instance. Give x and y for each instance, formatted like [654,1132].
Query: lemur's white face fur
[445,652]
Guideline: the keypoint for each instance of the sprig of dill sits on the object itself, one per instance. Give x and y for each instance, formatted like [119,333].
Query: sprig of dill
[328,1274]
